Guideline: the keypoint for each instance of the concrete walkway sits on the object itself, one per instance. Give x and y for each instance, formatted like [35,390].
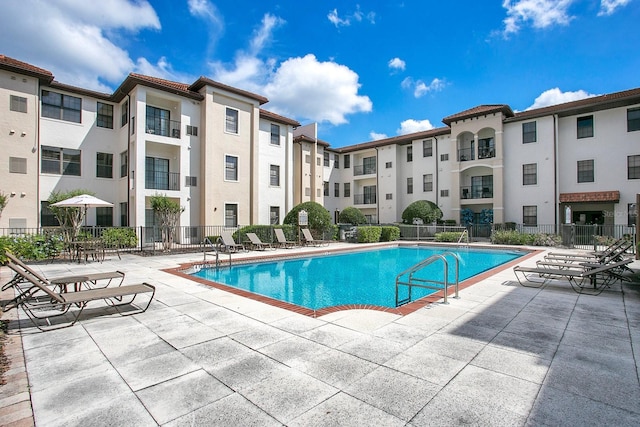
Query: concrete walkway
[500,355]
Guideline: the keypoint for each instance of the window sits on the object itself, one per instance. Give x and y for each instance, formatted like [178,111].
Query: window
[274,215]
[307,191]
[633,167]
[530,174]
[104,216]
[318,191]
[124,166]
[444,157]
[389,196]
[632,213]
[427,182]
[157,175]
[585,127]
[190,181]
[47,218]
[444,193]
[18,104]
[633,119]
[61,161]
[124,208]
[336,190]
[410,154]
[230,215]
[124,114]
[17,165]
[307,159]
[388,165]
[158,121]
[585,171]
[231,168]
[274,175]
[347,189]
[318,161]
[529,133]
[192,130]
[62,107]
[104,118]
[427,148]
[369,165]
[104,165]
[231,120]
[275,134]
[336,161]
[409,185]
[347,161]
[530,215]
[325,157]
[325,186]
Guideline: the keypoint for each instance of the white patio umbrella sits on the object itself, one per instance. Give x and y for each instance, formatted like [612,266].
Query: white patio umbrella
[83,201]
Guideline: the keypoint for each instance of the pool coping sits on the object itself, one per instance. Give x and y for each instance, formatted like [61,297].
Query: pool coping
[403,310]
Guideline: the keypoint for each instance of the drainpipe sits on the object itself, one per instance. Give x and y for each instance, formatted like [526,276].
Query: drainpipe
[556,190]
[437,183]
[128,161]
[37,148]
[377,185]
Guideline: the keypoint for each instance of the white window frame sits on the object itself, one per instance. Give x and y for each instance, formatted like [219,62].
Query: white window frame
[227,123]
[237,168]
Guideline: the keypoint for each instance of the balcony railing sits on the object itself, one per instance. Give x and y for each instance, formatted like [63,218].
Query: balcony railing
[163,127]
[466,154]
[474,192]
[162,181]
[486,152]
[364,170]
[364,199]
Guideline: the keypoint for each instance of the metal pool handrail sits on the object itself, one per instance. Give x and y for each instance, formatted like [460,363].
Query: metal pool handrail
[428,283]
[214,248]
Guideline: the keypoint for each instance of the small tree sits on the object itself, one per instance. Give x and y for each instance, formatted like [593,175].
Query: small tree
[4,199]
[352,216]
[167,213]
[69,218]
[319,217]
[427,211]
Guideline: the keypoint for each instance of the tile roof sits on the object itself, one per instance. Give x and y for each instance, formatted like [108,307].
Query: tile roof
[400,139]
[594,196]
[13,64]
[478,111]
[205,81]
[278,118]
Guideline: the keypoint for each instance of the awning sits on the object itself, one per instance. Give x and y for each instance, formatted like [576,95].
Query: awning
[594,196]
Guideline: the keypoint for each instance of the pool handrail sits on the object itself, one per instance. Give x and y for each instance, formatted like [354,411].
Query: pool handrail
[417,267]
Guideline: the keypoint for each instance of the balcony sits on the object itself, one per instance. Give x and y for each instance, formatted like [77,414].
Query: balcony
[364,170]
[364,199]
[163,127]
[162,181]
[466,154]
[474,192]
[484,152]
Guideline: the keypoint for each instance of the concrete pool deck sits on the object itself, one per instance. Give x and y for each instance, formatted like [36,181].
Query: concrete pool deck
[502,354]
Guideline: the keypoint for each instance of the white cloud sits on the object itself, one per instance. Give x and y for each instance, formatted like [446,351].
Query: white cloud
[375,136]
[541,14]
[397,64]
[556,96]
[358,15]
[412,126]
[71,40]
[420,88]
[319,91]
[263,34]
[608,7]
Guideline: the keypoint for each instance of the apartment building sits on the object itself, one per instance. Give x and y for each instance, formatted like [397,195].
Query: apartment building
[576,162]
[208,146]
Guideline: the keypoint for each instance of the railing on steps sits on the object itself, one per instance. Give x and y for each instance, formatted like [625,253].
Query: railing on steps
[207,243]
[413,281]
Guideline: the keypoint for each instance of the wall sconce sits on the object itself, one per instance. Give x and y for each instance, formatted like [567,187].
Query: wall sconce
[23,134]
[12,131]
[13,193]
[23,194]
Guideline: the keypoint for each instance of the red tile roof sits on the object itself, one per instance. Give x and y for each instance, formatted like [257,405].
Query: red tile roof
[8,63]
[278,118]
[594,196]
[401,139]
[479,111]
[205,81]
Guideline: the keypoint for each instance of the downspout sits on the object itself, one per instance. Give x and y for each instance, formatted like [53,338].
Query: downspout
[377,186]
[37,148]
[437,183]
[556,190]
[128,161]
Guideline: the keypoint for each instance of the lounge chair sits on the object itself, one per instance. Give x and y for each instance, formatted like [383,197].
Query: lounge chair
[309,240]
[599,276]
[42,303]
[257,244]
[228,244]
[282,239]
[613,252]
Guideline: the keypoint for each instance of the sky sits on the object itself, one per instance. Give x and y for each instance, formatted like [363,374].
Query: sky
[362,70]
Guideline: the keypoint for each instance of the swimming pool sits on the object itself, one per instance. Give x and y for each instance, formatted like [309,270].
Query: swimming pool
[364,277]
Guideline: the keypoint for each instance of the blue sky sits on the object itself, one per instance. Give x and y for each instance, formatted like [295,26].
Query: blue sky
[363,70]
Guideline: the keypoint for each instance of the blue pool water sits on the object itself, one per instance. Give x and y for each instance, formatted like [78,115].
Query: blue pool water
[361,277]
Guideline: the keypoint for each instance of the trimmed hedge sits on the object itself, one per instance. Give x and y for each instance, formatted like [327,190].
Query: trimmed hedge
[35,247]
[369,234]
[448,236]
[513,237]
[390,233]
[119,238]
[265,233]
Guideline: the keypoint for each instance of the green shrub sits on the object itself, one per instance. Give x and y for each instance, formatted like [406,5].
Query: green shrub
[35,247]
[450,222]
[369,234]
[119,238]
[319,217]
[390,233]
[544,239]
[511,237]
[448,236]
[353,216]
[427,211]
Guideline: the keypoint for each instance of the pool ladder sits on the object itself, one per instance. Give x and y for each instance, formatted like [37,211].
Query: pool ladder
[214,250]
[413,281]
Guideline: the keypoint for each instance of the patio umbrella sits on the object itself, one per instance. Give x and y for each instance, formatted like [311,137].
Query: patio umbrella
[83,201]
